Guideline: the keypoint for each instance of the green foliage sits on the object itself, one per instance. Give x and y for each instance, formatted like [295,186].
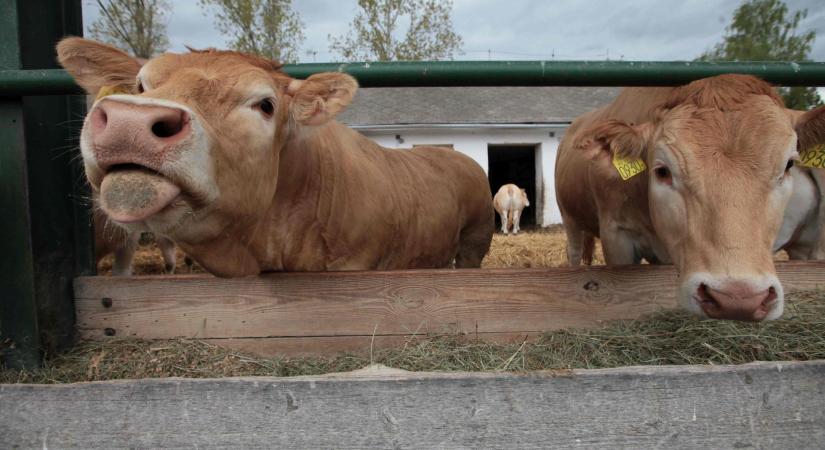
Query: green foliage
[138,26]
[764,30]
[268,28]
[376,32]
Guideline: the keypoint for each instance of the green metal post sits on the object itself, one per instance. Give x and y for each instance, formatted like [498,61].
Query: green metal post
[18,312]
[57,201]
[46,239]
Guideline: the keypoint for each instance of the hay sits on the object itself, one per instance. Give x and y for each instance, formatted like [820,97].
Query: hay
[540,248]
[661,339]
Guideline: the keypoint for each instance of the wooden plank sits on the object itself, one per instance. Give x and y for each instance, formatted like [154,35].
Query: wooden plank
[761,405]
[377,303]
[367,303]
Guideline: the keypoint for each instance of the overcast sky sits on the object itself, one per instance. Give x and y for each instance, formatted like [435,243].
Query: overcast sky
[525,29]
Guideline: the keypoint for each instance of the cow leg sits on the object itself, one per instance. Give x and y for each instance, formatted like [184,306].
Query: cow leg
[503,215]
[122,266]
[589,245]
[516,219]
[619,248]
[473,244]
[575,242]
[190,264]
[167,249]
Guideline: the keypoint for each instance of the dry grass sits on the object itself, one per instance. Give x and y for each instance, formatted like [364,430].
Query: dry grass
[660,339]
[540,248]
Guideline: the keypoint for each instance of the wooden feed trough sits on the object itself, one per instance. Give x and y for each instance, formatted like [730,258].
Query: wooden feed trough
[332,312]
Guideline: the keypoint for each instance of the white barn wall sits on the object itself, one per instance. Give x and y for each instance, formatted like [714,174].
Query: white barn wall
[474,140]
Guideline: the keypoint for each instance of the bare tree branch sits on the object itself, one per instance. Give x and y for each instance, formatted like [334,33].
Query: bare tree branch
[135,25]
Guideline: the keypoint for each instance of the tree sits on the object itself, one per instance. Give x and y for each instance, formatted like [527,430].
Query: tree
[375,33]
[136,25]
[763,30]
[268,28]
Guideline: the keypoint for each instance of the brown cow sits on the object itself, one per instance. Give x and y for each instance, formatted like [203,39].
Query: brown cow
[245,169]
[718,153]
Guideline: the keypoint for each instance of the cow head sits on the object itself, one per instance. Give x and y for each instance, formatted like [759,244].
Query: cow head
[188,145]
[524,198]
[717,153]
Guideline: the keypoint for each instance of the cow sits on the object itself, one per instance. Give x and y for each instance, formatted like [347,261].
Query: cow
[247,171]
[802,234]
[509,201]
[696,175]
[111,238]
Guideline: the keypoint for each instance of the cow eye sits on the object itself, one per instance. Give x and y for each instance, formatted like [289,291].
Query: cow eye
[266,107]
[788,166]
[662,174]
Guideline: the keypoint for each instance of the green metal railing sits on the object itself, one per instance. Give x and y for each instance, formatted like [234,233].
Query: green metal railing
[486,73]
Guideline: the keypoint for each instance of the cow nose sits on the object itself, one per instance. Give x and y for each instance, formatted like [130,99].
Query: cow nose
[736,300]
[140,134]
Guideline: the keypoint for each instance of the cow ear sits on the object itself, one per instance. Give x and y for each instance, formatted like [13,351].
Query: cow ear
[614,137]
[94,65]
[319,98]
[810,127]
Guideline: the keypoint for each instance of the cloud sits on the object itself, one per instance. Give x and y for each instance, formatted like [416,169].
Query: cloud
[526,29]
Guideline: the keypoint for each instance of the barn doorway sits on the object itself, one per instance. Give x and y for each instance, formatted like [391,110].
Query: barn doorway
[514,164]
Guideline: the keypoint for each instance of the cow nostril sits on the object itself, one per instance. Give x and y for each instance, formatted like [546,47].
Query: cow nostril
[168,126]
[99,118]
[770,299]
[706,299]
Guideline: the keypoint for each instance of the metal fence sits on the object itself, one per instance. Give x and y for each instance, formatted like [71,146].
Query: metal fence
[15,83]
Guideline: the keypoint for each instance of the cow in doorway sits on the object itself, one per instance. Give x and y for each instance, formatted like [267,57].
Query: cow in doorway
[509,202]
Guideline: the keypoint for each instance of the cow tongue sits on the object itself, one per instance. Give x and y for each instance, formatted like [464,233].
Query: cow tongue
[134,195]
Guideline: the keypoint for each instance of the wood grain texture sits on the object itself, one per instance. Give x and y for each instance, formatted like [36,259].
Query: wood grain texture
[761,405]
[382,303]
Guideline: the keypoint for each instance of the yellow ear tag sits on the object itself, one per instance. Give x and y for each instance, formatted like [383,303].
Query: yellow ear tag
[111,90]
[628,168]
[813,157]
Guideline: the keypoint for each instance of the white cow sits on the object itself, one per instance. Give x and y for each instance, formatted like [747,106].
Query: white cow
[509,201]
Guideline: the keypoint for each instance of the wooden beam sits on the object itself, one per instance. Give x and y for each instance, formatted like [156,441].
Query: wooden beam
[347,307]
[760,405]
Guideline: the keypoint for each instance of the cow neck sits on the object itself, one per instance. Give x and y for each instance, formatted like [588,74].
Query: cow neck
[310,198]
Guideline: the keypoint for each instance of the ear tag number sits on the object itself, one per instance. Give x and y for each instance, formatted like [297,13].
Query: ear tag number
[111,90]
[628,168]
[813,157]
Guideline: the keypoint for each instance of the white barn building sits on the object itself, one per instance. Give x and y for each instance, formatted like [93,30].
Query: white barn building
[512,132]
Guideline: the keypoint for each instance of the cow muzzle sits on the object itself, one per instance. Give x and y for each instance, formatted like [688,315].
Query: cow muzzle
[754,300]
[131,144]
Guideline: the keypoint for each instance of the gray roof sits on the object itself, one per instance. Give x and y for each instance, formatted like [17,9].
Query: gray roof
[496,105]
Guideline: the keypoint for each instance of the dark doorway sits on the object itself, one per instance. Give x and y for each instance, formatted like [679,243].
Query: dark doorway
[514,164]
